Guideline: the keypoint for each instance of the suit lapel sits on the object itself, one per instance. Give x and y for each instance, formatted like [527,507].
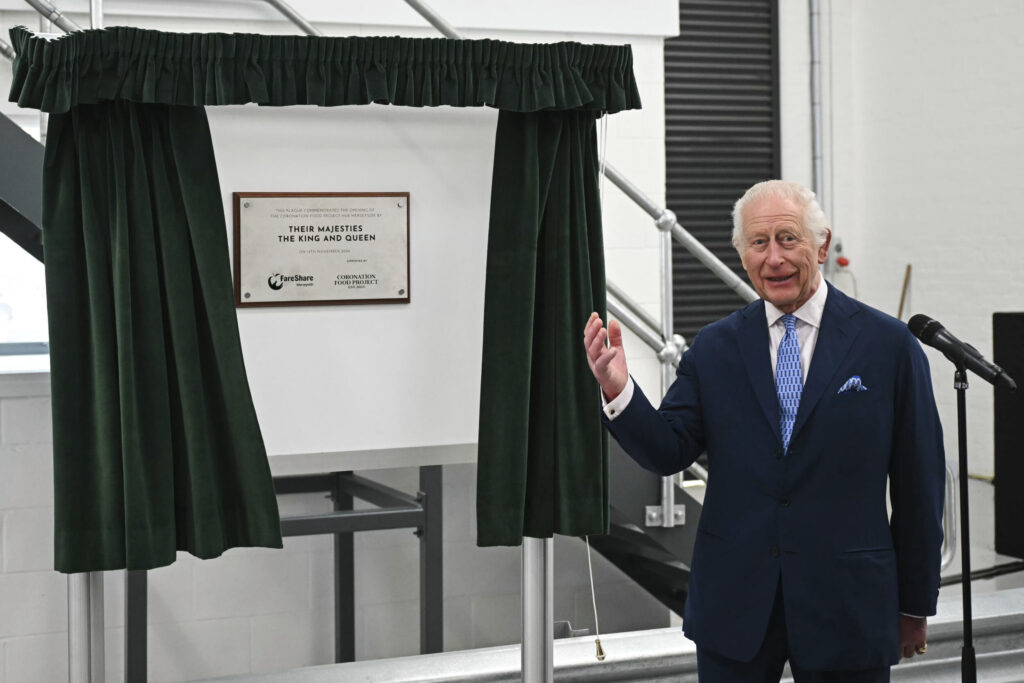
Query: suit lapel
[753,342]
[835,337]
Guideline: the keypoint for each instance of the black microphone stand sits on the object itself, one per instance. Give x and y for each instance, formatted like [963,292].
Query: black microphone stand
[968,664]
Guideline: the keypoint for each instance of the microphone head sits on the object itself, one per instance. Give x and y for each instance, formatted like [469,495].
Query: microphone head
[923,327]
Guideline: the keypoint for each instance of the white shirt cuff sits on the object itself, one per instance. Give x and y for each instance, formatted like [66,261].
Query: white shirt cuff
[618,404]
[912,615]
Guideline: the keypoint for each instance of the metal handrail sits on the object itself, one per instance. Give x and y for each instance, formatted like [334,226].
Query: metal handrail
[634,307]
[7,51]
[666,220]
[53,14]
[626,317]
[949,520]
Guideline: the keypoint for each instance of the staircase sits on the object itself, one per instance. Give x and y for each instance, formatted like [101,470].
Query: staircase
[656,557]
[21,178]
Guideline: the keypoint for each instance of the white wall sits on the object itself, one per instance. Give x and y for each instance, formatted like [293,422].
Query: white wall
[262,610]
[923,146]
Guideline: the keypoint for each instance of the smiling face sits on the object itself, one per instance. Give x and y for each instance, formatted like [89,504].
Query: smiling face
[778,252]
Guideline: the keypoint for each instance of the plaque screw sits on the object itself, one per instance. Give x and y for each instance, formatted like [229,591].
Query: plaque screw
[247,295]
[247,205]
[401,291]
[400,205]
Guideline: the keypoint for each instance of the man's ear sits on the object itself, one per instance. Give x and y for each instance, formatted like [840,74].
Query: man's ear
[823,249]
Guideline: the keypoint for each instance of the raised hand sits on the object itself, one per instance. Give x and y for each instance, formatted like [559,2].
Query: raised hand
[608,363]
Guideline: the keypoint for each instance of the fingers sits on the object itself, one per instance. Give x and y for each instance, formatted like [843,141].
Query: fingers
[596,346]
[615,334]
[593,326]
[601,364]
[908,651]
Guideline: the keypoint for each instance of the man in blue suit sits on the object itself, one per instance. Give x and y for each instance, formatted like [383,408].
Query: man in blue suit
[806,402]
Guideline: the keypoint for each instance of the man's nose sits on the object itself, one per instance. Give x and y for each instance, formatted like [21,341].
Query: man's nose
[775,254]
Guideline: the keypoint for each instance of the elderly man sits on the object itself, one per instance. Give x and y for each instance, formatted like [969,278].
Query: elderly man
[805,401]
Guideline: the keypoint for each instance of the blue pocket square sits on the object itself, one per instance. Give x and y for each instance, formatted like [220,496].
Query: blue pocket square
[852,384]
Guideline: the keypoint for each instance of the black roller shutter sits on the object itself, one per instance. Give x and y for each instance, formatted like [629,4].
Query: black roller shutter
[721,137]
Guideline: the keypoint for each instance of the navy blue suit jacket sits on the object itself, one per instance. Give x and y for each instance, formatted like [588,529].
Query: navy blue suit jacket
[815,516]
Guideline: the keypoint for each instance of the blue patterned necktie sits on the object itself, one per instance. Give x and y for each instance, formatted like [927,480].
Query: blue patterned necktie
[788,379]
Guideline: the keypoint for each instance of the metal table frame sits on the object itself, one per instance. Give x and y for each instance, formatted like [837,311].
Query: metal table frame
[395,510]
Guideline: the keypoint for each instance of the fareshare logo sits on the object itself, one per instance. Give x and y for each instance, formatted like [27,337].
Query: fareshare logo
[275,281]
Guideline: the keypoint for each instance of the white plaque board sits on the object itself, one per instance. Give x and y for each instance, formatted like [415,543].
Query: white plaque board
[316,248]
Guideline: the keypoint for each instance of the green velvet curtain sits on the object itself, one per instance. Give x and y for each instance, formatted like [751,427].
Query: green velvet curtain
[543,464]
[155,439]
[156,444]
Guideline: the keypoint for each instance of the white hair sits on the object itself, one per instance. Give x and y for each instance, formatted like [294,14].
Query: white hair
[813,220]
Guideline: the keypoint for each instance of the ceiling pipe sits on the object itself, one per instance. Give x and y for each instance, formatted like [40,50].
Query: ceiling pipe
[435,19]
[296,18]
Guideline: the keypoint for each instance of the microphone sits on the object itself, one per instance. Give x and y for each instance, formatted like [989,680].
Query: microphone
[932,333]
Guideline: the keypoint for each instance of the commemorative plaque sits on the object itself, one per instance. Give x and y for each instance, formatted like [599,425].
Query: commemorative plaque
[317,248]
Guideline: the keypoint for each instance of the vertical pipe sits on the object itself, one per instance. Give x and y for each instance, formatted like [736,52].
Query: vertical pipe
[816,121]
[344,581]
[538,664]
[78,628]
[85,628]
[135,621]
[85,591]
[431,562]
[668,488]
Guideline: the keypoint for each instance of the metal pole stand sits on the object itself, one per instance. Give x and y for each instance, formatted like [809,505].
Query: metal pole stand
[538,611]
[85,628]
[968,665]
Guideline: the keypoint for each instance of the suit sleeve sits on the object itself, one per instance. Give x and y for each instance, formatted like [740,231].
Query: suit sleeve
[916,483]
[669,439]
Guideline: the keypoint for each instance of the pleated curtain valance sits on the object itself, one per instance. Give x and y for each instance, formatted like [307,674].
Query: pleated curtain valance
[56,73]
[156,443]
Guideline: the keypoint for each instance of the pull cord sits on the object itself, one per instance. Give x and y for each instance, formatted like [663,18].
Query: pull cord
[593,600]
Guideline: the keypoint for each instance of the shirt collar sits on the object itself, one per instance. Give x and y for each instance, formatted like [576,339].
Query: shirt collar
[810,312]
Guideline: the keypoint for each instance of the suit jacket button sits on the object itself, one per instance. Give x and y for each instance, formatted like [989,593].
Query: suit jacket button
[775,551]
[784,502]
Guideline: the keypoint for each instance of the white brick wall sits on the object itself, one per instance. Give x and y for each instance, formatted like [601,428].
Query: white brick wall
[923,145]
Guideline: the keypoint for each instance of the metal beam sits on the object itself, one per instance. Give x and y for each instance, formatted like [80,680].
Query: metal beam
[374,492]
[352,520]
